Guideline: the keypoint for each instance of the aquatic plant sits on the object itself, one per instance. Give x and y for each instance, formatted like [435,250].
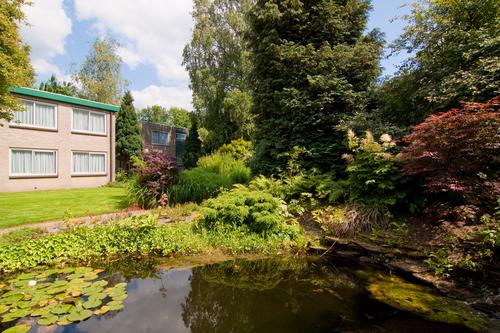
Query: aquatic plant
[58,297]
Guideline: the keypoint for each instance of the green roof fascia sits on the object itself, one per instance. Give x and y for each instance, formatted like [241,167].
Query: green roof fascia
[63,98]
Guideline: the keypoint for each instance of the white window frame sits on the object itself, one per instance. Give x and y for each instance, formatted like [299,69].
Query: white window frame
[73,173]
[73,130]
[160,144]
[183,134]
[31,175]
[21,125]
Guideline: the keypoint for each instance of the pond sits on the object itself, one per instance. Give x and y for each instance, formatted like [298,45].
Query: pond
[244,295]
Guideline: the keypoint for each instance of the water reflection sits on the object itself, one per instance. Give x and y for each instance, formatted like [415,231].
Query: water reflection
[249,296]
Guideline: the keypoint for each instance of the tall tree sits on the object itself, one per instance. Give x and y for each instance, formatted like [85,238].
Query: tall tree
[217,60]
[100,75]
[128,132]
[63,88]
[455,45]
[313,65]
[175,116]
[15,68]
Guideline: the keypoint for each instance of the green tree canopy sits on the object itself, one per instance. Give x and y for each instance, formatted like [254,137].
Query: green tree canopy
[217,60]
[175,116]
[313,65]
[15,68]
[455,45]
[192,146]
[128,131]
[63,88]
[100,75]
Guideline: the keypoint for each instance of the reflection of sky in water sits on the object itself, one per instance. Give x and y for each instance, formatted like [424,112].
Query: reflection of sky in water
[148,311]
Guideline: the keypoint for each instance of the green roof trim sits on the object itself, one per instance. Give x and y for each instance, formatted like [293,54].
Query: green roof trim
[63,98]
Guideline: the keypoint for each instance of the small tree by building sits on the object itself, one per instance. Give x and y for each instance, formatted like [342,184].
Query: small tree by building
[192,146]
[128,132]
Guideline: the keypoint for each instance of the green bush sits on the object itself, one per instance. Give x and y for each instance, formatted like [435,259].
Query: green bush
[213,173]
[139,235]
[255,211]
[196,185]
[239,149]
[374,174]
[227,166]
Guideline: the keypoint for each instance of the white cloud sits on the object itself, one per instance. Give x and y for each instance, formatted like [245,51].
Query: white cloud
[179,96]
[152,32]
[47,30]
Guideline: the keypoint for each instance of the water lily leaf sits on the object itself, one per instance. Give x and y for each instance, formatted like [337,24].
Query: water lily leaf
[15,314]
[59,283]
[26,276]
[63,321]
[100,296]
[98,270]
[23,328]
[115,305]
[92,303]
[56,290]
[83,270]
[45,321]
[62,309]
[90,276]
[104,309]
[4,308]
[79,315]
[100,283]
[116,292]
[120,285]
[120,297]
[12,299]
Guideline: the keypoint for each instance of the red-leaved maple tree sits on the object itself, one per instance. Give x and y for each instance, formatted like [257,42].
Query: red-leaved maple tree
[457,151]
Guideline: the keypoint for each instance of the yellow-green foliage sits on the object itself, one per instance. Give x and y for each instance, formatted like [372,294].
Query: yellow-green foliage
[212,174]
[254,211]
[239,149]
[423,302]
[140,235]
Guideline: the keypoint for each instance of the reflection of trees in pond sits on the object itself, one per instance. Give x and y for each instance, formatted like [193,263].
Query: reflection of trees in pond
[252,274]
[128,268]
[262,295]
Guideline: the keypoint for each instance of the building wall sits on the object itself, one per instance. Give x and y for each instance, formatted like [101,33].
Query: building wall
[169,148]
[62,140]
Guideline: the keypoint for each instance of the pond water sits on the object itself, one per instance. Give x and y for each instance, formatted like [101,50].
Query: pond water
[265,295]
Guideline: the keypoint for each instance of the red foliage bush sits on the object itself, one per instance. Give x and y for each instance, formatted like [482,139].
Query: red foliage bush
[457,151]
[156,173]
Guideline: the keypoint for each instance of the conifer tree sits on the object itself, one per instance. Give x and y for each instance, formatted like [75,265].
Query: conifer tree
[192,146]
[128,132]
[313,64]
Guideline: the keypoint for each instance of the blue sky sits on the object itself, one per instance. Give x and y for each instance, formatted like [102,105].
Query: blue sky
[152,34]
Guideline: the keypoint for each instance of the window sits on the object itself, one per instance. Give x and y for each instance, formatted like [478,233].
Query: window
[159,138]
[36,114]
[89,121]
[88,163]
[29,162]
[180,136]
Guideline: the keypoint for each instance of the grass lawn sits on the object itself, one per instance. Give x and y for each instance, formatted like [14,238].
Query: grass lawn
[38,206]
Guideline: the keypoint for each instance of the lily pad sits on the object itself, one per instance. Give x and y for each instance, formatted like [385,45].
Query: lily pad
[104,309]
[62,309]
[120,297]
[23,328]
[4,308]
[63,321]
[79,315]
[92,303]
[115,305]
[120,285]
[45,321]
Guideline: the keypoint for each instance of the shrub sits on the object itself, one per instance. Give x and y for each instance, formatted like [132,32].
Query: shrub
[255,211]
[213,173]
[153,174]
[374,176]
[196,185]
[457,151]
[227,166]
[239,149]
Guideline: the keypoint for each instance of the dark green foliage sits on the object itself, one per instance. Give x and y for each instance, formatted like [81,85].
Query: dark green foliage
[192,146]
[54,86]
[128,132]
[255,211]
[213,173]
[456,59]
[313,64]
